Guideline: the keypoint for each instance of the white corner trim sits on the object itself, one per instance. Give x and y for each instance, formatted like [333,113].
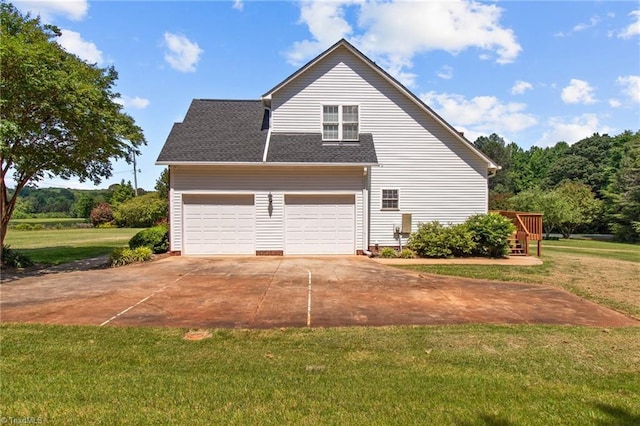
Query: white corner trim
[266,144]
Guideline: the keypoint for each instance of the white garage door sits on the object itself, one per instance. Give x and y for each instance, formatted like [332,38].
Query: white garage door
[219,224]
[319,224]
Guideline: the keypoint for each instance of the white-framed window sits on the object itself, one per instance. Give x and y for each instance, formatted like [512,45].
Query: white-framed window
[390,199]
[340,122]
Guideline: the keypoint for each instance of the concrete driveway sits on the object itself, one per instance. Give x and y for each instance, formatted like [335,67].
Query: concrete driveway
[263,292]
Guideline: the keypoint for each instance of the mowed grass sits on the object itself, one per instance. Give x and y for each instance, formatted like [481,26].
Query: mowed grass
[56,246]
[604,249]
[461,375]
[601,271]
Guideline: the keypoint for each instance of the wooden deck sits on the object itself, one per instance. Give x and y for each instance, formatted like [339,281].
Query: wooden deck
[528,228]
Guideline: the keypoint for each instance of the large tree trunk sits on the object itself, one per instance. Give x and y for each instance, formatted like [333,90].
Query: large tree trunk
[7,205]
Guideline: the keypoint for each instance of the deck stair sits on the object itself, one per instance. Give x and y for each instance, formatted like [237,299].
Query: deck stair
[528,228]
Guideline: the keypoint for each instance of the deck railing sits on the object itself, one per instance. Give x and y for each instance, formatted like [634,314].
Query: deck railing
[528,228]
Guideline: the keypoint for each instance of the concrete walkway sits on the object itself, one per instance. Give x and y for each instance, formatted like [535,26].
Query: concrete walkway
[508,261]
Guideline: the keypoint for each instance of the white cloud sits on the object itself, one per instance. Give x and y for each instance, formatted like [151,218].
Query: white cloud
[393,32]
[135,102]
[182,53]
[578,92]
[583,26]
[446,72]
[520,87]
[327,25]
[633,28]
[615,103]
[571,131]
[72,42]
[238,4]
[75,10]
[480,115]
[630,86]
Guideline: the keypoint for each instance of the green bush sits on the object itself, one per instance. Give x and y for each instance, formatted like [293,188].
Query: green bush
[14,258]
[491,234]
[388,253]
[156,238]
[28,227]
[124,256]
[435,240]
[141,212]
[407,253]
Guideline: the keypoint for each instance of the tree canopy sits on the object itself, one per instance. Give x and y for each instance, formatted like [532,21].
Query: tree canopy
[593,184]
[58,114]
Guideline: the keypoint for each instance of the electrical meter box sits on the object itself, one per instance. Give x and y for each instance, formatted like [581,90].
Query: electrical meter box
[406,223]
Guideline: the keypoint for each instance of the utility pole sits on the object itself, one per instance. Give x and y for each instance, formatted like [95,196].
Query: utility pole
[135,172]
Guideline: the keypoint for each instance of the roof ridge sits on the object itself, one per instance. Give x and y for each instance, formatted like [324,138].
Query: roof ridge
[226,100]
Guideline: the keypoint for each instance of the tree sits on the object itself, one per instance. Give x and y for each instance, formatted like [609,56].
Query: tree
[551,204]
[584,207]
[623,194]
[83,205]
[141,212]
[162,184]
[58,115]
[122,193]
[495,148]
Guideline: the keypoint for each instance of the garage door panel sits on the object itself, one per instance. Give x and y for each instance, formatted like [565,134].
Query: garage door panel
[320,224]
[219,224]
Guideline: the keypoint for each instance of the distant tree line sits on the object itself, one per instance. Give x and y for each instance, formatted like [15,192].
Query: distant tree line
[592,186]
[117,205]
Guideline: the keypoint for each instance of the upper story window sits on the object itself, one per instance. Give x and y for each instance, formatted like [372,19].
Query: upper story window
[340,122]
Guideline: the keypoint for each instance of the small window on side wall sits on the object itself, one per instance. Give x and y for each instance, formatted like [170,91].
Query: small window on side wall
[390,199]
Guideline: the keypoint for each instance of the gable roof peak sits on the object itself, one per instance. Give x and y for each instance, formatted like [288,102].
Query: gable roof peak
[266,98]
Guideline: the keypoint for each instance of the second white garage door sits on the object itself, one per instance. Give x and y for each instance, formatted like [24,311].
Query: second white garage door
[219,224]
[319,224]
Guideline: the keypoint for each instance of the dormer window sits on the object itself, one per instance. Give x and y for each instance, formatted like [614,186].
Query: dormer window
[340,122]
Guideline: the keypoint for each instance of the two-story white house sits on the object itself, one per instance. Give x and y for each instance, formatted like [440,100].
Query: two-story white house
[333,160]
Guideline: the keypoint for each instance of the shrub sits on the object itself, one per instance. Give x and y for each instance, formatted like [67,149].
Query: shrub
[388,252]
[102,213]
[14,258]
[491,234]
[406,253]
[435,240]
[28,227]
[156,238]
[124,256]
[141,212]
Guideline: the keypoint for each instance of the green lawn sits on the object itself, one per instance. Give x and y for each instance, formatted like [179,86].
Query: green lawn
[604,272]
[605,249]
[464,375]
[56,246]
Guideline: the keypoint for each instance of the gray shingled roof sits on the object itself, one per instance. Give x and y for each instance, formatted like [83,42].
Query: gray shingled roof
[218,131]
[236,132]
[309,148]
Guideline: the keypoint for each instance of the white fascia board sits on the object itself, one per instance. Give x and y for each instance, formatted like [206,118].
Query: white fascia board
[222,163]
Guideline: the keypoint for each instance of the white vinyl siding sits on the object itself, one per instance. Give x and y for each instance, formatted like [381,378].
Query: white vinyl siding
[259,181]
[439,177]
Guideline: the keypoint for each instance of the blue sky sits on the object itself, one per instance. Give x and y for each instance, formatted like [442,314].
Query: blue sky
[534,72]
